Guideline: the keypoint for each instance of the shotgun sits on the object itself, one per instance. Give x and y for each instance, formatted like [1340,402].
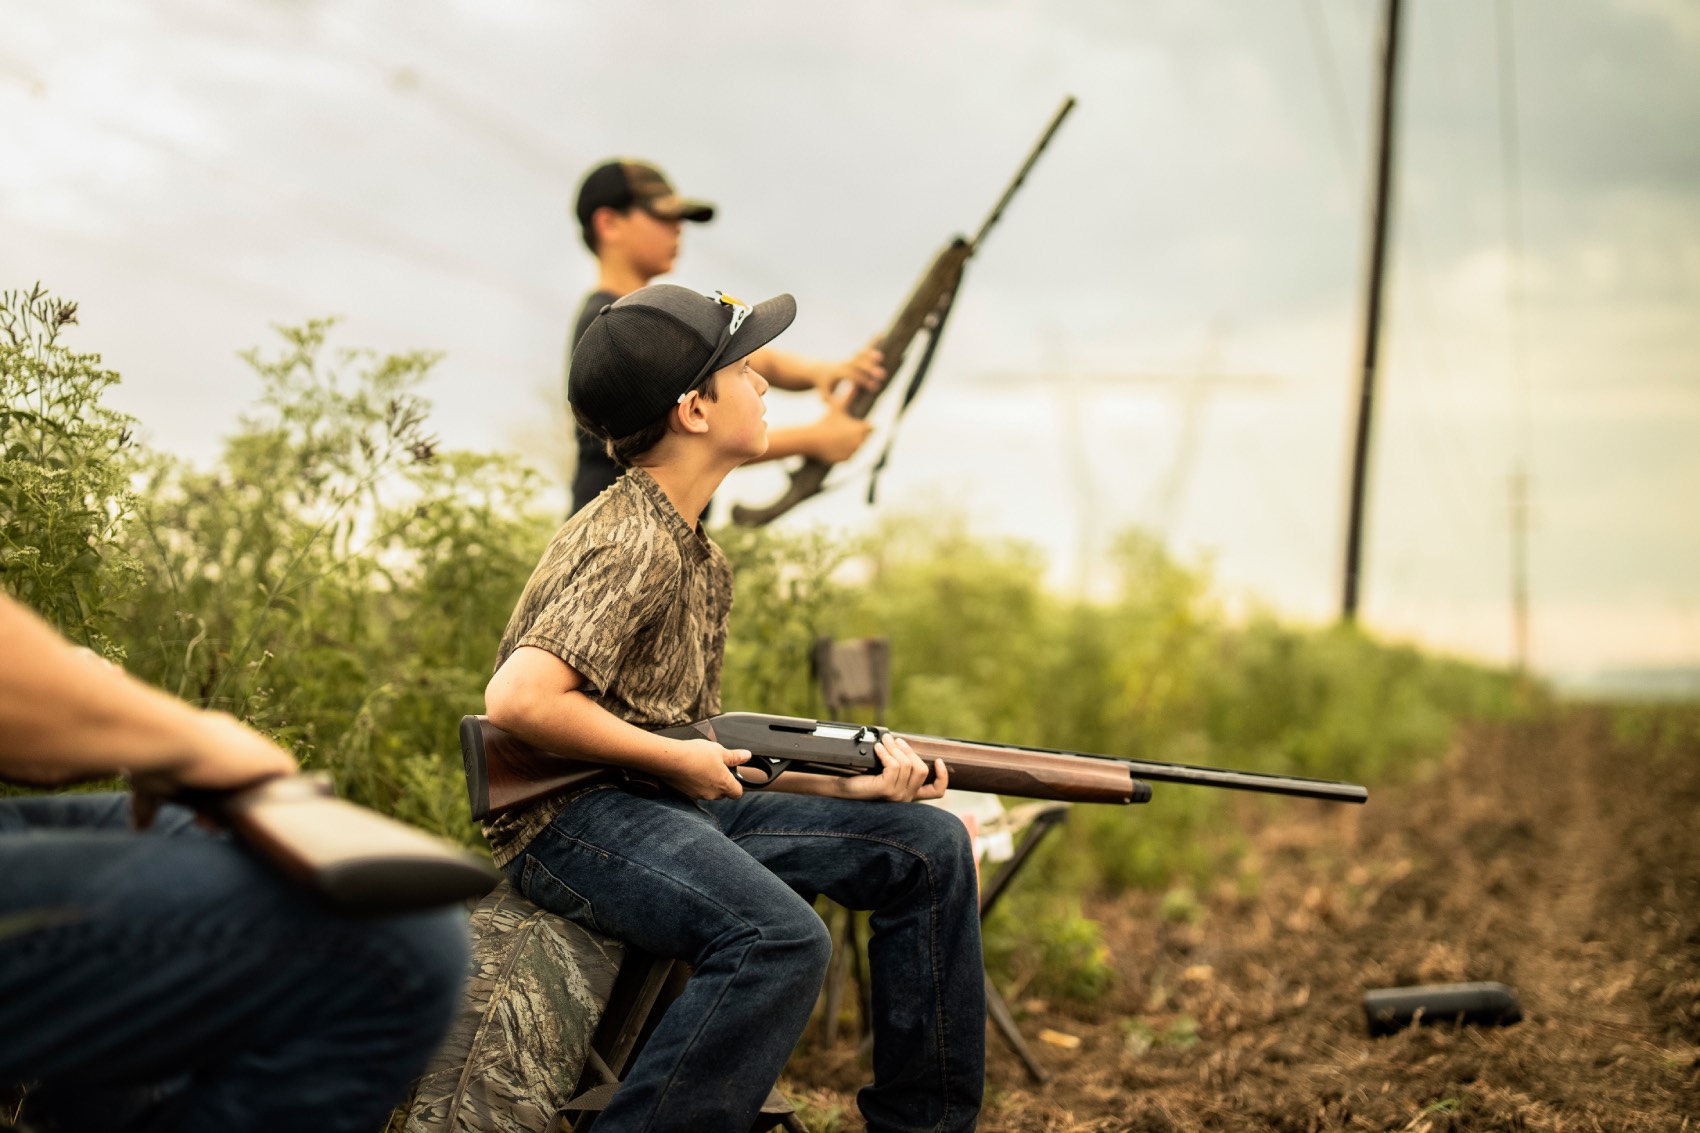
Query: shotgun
[356,860]
[926,309]
[504,772]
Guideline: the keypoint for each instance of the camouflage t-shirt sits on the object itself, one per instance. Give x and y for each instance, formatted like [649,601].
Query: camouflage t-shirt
[636,600]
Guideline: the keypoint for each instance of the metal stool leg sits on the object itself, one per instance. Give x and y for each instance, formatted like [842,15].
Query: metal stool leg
[999,1011]
[843,944]
[1043,823]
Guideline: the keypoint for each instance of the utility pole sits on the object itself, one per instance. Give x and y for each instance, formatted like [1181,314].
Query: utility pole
[1520,569]
[1513,192]
[1377,260]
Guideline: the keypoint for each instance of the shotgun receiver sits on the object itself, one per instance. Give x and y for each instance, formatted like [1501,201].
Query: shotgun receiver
[503,771]
[355,859]
[926,309]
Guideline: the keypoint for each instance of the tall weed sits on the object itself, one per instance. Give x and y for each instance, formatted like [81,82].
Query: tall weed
[334,578]
[65,464]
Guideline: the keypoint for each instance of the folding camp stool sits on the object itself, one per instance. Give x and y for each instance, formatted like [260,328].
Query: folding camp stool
[856,673]
[1035,821]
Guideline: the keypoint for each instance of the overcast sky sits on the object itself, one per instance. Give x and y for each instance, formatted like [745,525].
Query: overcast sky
[1162,330]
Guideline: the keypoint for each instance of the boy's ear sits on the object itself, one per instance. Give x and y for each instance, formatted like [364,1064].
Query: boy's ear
[603,221]
[691,414]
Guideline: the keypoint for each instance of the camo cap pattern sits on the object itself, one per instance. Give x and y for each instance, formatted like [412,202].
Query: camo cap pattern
[624,182]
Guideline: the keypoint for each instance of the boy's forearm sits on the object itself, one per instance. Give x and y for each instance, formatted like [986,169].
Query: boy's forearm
[803,783]
[572,723]
[795,440]
[788,371]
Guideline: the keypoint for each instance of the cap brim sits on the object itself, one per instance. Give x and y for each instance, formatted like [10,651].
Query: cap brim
[675,207]
[766,321]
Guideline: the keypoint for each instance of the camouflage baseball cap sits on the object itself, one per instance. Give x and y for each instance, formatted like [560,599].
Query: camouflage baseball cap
[624,182]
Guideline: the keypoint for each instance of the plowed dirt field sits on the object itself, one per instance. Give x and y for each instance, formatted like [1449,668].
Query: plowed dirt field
[1558,857]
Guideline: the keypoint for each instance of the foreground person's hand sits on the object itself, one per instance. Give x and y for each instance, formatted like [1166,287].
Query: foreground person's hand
[226,755]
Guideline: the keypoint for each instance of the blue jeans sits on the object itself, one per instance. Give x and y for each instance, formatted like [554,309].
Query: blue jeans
[167,980]
[726,886]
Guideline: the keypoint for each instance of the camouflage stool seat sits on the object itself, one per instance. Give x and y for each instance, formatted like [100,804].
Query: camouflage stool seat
[550,1007]
[535,994]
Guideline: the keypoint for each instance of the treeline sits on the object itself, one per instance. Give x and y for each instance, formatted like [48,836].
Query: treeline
[340,582]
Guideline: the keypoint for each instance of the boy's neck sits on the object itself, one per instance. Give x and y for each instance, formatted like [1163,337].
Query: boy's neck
[618,277]
[689,476]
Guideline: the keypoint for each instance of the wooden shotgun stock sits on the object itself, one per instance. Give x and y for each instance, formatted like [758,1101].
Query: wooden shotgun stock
[504,772]
[357,860]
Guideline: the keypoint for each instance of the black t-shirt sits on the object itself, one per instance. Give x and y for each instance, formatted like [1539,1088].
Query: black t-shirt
[596,471]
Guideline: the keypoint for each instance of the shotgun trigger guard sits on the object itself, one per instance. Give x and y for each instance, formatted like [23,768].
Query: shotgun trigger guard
[767,765]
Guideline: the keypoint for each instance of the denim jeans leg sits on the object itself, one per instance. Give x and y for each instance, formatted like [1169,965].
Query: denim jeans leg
[659,874]
[913,867]
[131,960]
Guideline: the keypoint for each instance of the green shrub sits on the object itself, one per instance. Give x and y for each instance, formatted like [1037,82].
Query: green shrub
[334,578]
[65,465]
[1059,953]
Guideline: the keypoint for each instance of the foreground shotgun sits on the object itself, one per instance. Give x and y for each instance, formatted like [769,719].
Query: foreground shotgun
[925,310]
[355,859]
[503,771]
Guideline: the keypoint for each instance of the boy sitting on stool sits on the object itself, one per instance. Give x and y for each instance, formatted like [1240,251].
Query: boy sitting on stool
[621,630]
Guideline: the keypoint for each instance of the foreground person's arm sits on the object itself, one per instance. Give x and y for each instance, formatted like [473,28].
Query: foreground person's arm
[67,716]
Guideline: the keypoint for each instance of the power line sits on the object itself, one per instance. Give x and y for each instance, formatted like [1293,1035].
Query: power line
[1450,452]
[1328,71]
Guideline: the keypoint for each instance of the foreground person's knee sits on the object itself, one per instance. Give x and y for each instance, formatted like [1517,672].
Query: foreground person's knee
[433,947]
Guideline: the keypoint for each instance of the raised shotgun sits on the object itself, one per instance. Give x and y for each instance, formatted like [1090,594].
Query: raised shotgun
[925,310]
[504,772]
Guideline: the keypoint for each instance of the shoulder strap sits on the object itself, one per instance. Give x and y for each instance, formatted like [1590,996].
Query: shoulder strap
[914,387]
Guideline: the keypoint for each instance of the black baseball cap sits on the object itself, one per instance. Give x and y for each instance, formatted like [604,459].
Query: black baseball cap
[624,182]
[643,353]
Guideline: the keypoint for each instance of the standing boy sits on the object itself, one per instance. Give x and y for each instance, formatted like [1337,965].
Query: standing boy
[620,631]
[629,217]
